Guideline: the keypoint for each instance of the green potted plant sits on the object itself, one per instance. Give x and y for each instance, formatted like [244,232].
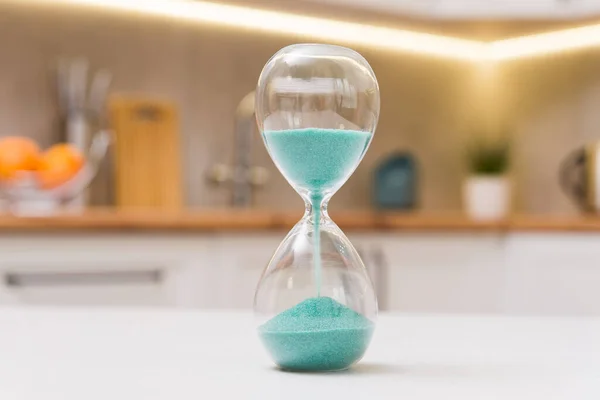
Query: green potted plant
[487,190]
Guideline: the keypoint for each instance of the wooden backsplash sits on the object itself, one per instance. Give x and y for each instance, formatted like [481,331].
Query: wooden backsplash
[427,104]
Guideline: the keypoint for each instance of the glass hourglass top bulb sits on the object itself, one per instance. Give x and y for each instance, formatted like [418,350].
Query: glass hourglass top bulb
[317,108]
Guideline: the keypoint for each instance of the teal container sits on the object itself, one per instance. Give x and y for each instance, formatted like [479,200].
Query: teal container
[395,186]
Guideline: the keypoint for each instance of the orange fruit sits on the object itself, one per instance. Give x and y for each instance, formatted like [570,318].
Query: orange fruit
[58,165]
[17,154]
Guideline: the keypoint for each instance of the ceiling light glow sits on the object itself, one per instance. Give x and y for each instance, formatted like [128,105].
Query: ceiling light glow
[347,32]
[302,26]
[545,43]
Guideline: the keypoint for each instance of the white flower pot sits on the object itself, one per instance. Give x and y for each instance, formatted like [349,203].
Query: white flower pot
[487,197]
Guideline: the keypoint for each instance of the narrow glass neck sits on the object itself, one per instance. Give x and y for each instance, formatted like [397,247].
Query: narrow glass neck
[316,204]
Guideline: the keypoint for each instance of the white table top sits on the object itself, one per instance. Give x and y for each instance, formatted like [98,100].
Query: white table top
[88,354]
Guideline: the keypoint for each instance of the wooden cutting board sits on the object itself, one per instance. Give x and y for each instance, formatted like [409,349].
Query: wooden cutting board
[147,153]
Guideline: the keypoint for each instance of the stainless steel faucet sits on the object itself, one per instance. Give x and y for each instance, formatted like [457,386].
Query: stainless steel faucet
[242,175]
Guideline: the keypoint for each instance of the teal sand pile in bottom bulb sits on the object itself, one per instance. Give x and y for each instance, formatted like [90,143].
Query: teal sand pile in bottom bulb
[318,334]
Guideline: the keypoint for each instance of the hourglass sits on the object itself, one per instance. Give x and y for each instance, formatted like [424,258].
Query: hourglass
[317,107]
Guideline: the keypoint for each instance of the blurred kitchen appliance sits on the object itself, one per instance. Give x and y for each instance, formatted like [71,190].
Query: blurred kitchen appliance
[242,175]
[396,182]
[580,177]
[82,103]
[147,153]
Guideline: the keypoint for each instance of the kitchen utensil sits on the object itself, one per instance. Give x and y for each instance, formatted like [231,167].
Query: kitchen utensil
[147,153]
[317,108]
[580,177]
[81,112]
[98,95]
[77,124]
[396,182]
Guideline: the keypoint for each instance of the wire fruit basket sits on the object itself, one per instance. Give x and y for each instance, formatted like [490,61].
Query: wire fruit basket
[24,194]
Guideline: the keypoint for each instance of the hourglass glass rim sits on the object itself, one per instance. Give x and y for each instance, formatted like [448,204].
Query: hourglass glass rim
[323,50]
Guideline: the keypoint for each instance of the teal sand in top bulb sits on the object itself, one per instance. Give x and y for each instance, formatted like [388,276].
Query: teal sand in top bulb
[318,334]
[317,161]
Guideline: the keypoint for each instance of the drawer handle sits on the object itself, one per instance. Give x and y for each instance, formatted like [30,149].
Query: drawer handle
[24,279]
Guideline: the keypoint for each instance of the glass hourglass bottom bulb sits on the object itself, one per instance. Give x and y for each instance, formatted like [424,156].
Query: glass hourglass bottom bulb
[316,317]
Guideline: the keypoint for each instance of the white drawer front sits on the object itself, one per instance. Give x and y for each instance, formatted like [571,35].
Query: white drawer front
[85,286]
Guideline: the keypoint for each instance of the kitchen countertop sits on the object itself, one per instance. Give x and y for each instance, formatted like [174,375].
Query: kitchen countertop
[263,220]
[125,354]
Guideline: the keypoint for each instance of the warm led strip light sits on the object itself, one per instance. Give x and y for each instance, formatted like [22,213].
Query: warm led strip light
[348,32]
[277,22]
[545,43]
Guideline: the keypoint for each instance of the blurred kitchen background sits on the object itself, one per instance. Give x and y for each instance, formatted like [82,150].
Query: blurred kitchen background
[458,205]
